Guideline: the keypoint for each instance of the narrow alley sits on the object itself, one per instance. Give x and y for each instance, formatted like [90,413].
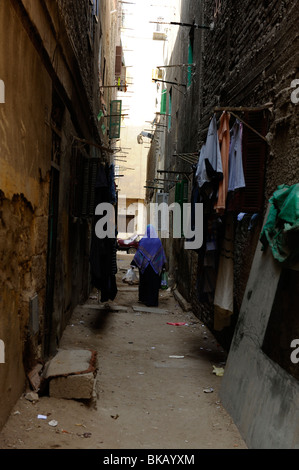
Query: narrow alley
[155,386]
[120,120]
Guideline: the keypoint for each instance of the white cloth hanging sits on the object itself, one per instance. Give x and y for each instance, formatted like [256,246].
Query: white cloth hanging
[210,152]
[224,292]
[236,175]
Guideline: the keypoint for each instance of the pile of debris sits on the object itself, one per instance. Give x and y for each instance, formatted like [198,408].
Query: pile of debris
[70,374]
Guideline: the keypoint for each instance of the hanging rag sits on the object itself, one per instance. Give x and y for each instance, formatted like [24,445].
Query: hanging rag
[224,292]
[224,141]
[208,260]
[111,182]
[281,230]
[236,174]
[103,264]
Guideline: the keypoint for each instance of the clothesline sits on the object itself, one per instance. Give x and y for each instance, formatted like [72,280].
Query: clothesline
[105,149]
[244,109]
[247,125]
[213,162]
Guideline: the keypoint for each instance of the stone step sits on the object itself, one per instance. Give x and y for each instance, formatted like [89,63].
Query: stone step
[71,374]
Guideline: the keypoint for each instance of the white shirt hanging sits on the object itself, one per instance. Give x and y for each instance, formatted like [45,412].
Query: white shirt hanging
[210,152]
[236,175]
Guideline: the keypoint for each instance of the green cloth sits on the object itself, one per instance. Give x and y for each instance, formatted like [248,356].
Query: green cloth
[281,230]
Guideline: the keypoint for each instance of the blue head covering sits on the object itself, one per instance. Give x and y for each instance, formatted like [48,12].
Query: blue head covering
[150,251]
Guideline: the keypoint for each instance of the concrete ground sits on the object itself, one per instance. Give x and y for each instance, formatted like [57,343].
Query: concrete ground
[155,387]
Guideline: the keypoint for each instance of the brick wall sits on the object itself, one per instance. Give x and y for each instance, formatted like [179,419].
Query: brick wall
[249,59]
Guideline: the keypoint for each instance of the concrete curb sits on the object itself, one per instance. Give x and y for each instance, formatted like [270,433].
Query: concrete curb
[186,306]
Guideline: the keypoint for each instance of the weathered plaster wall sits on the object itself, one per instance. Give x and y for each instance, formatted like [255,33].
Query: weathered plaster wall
[46,55]
[261,396]
[25,149]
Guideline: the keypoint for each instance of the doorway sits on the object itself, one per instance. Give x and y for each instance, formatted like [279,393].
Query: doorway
[51,261]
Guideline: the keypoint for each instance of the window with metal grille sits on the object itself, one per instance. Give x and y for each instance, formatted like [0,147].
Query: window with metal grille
[254,160]
[118,60]
[190,58]
[251,198]
[115,119]
[83,177]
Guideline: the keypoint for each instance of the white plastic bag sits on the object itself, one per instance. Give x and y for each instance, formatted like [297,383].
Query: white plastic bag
[130,276]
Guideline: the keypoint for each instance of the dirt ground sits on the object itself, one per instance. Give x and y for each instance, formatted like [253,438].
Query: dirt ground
[152,388]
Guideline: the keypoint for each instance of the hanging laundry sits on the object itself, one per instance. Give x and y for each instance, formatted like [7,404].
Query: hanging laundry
[111,182]
[209,167]
[208,259]
[236,174]
[241,216]
[224,141]
[103,263]
[224,293]
[253,221]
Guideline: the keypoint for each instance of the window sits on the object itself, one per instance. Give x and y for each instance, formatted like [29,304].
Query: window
[251,198]
[163,101]
[115,119]
[120,69]
[190,60]
[181,192]
[169,108]
[159,34]
[118,61]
